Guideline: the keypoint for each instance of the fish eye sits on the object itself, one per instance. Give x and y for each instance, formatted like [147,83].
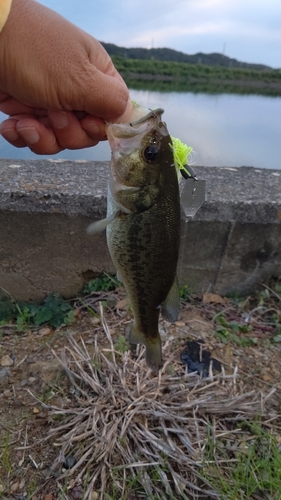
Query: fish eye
[150,153]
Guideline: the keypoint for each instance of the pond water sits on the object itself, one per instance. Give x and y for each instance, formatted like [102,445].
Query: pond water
[225,129]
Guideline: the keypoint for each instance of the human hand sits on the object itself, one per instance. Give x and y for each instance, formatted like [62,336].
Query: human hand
[57,83]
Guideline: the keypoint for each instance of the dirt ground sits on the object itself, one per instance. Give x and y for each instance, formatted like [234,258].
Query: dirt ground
[31,377]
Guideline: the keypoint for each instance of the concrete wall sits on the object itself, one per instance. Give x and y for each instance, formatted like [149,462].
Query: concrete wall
[232,244]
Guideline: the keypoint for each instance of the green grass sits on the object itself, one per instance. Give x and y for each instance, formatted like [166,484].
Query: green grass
[135,487]
[247,469]
[5,455]
[6,467]
[33,485]
[185,293]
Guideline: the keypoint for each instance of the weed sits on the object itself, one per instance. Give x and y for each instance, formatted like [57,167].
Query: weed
[54,310]
[48,393]
[54,388]
[232,330]
[105,283]
[277,336]
[85,484]
[60,417]
[63,491]
[84,304]
[184,292]
[135,484]
[121,345]
[278,288]
[183,76]
[273,292]
[251,467]
[5,455]
[32,486]
[7,310]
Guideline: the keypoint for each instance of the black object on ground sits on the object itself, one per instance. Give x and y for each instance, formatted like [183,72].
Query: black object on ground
[198,359]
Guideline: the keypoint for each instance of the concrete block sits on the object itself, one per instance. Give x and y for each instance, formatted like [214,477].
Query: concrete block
[203,246]
[253,255]
[232,243]
[41,253]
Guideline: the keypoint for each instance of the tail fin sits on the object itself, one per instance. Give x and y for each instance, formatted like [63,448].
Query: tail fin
[153,348]
[153,355]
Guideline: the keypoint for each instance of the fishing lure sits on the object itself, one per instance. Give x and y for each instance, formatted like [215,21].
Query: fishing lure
[181,154]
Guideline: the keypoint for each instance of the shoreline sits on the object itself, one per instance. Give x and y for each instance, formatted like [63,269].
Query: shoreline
[216,85]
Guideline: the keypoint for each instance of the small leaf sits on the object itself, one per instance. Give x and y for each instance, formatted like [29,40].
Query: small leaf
[234,326]
[222,321]
[277,338]
[121,344]
[70,317]
[43,315]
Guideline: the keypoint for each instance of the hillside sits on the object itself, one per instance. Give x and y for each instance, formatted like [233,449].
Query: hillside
[165,54]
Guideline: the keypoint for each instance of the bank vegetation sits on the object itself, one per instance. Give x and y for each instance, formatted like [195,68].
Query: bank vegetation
[181,76]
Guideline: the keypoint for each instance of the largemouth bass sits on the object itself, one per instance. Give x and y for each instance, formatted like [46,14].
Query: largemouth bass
[143,225]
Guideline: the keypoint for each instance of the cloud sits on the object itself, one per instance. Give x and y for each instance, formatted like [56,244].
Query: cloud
[165,36]
[250,29]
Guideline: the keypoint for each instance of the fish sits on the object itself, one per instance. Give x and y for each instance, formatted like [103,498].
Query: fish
[143,225]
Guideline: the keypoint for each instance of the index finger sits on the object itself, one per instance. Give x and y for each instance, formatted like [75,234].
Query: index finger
[11,106]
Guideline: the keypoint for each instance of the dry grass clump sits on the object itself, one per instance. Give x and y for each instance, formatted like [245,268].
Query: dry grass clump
[136,435]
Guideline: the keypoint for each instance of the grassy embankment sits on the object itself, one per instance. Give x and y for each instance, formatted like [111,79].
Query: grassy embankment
[114,430]
[159,75]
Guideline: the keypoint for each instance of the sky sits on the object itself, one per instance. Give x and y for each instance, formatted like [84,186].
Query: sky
[247,30]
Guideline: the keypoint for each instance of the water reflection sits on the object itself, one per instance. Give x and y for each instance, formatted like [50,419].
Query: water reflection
[224,129]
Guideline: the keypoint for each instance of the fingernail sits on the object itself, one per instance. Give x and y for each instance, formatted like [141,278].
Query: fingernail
[59,119]
[10,135]
[127,113]
[95,129]
[29,134]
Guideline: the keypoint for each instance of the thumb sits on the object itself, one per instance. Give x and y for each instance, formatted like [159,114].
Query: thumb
[105,95]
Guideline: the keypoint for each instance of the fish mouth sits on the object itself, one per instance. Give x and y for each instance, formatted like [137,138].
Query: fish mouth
[152,114]
[126,139]
[135,129]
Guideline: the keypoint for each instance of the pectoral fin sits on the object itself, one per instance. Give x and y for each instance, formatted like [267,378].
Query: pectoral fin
[101,225]
[170,308]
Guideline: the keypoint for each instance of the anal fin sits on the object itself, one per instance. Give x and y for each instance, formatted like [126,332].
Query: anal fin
[136,337]
[153,355]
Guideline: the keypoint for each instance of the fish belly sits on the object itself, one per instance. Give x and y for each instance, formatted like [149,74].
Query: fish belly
[144,248]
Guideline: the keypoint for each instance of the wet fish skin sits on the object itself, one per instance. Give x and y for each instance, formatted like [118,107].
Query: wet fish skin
[143,237]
